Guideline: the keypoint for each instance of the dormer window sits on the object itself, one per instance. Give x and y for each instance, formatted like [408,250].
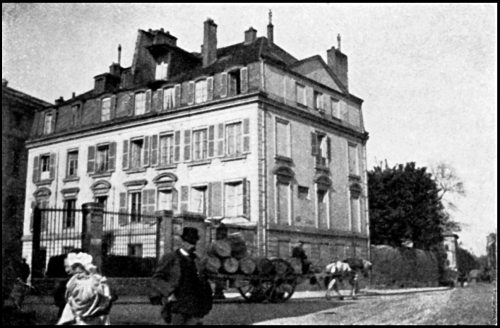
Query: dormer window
[140,103]
[106,109]
[201,91]
[161,71]
[169,98]
[318,101]
[48,123]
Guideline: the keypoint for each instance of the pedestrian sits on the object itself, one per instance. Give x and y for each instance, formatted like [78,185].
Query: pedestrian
[299,252]
[25,271]
[64,274]
[180,285]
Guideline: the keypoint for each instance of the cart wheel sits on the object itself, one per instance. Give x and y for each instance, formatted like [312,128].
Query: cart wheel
[254,290]
[282,290]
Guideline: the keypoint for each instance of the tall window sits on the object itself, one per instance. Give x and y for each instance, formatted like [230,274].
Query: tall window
[301,94]
[72,164]
[169,98]
[233,199]
[199,144]
[335,108]
[166,149]
[44,167]
[140,103]
[322,208]
[234,82]
[233,138]
[74,114]
[355,214]
[69,213]
[353,159]
[47,126]
[201,94]
[102,159]
[135,206]
[283,198]
[103,200]
[106,109]
[135,153]
[322,144]
[161,71]
[283,138]
[318,100]
[199,199]
[165,198]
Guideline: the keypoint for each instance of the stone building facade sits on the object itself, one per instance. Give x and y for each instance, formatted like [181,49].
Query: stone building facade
[245,133]
[18,110]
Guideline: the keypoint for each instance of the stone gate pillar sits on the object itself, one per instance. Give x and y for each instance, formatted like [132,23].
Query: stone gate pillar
[163,232]
[92,225]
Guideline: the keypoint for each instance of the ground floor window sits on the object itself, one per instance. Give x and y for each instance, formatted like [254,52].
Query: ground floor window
[69,213]
[134,250]
[135,206]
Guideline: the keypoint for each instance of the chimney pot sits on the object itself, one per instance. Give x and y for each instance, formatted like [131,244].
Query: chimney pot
[270,28]
[250,35]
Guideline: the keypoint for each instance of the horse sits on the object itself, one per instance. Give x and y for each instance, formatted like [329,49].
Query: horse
[347,269]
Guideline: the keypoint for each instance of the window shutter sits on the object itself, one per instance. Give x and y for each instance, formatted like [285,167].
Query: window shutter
[112,110]
[158,104]
[145,201]
[210,88]
[148,101]
[154,150]
[112,156]
[314,144]
[145,152]
[99,107]
[122,216]
[184,198]
[244,80]
[36,169]
[220,139]
[215,199]
[191,93]
[125,155]
[151,208]
[246,198]
[175,200]
[224,85]
[54,120]
[211,140]
[187,145]
[246,135]
[177,146]
[177,95]
[329,150]
[91,160]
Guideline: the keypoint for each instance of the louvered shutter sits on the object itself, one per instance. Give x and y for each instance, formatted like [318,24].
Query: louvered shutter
[145,152]
[122,216]
[177,95]
[54,120]
[220,139]
[175,200]
[91,160]
[112,156]
[148,101]
[224,85]
[36,169]
[246,198]
[210,88]
[314,144]
[187,145]
[154,150]
[184,198]
[191,93]
[329,150]
[125,161]
[158,103]
[244,80]
[215,199]
[177,146]
[246,135]
[112,110]
[211,141]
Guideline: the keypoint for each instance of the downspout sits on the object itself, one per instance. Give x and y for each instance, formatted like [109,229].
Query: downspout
[264,159]
[367,210]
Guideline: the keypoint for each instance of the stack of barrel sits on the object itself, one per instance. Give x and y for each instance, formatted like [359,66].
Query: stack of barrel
[230,256]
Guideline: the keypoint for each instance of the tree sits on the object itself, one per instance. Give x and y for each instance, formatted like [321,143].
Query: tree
[404,204]
[466,261]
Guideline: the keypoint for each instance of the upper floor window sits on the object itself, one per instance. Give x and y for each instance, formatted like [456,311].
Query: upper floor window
[318,101]
[283,138]
[335,107]
[353,159]
[140,103]
[233,199]
[199,199]
[169,98]
[237,81]
[72,164]
[48,123]
[199,144]
[44,167]
[74,114]
[166,149]
[136,147]
[301,94]
[161,71]
[106,109]
[233,138]
[102,159]
[320,143]
[201,94]
[302,192]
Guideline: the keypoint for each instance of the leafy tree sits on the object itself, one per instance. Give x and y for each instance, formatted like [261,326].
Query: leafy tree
[404,204]
[466,261]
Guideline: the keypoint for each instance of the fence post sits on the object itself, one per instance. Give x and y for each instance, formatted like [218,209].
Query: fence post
[92,224]
[163,231]
[36,269]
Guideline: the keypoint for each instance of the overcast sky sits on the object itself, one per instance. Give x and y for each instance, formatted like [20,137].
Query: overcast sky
[427,72]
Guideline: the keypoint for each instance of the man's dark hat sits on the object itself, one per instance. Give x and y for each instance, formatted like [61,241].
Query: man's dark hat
[190,235]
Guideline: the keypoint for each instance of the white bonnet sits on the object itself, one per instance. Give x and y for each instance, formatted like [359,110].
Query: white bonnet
[82,258]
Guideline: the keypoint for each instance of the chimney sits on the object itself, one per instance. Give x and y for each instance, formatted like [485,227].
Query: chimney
[119,54]
[59,101]
[209,42]
[270,28]
[4,82]
[73,95]
[337,61]
[250,35]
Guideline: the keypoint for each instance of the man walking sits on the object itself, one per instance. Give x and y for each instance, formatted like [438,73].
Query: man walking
[180,285]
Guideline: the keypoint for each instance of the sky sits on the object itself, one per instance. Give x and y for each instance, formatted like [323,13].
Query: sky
[427,72]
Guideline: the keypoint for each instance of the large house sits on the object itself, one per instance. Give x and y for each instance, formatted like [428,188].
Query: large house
[246,133]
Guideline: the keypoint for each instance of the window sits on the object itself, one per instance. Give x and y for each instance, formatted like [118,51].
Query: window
[199,199]
[135,153]
[321,148]
[322,208]
[283,138]
[135,206]
[233,199]
[303,192]
[169,98]
[166,149]
[335,108]
[48,124]
[103,200]
[233,138]
[301,94]
[234,83]
[165,199]
[72,164]
[161,72]
[283,199]
[134,250]
[201,91]
[318,101]
[44,167]
[140,103]
[355,214]
[106,109]
[353,159]
[102,159]
[74,114]
[69,213]
[199,144]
